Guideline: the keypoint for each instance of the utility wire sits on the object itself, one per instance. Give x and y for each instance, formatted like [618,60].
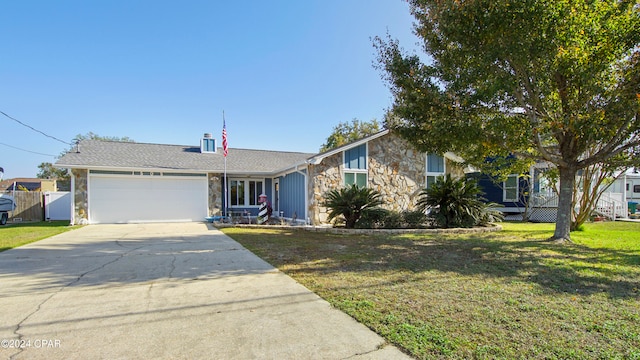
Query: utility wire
[36,130]
[29,151]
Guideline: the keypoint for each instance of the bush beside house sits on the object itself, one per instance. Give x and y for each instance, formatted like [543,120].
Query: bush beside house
[447,203]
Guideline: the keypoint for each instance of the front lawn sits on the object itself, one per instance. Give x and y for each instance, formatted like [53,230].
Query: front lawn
[17,234]
[505,295]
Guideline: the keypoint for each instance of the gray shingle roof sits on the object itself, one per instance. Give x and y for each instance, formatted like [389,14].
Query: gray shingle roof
[130,155]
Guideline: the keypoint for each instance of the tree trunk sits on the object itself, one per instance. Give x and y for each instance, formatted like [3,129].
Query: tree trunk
[350,220]
[565,201]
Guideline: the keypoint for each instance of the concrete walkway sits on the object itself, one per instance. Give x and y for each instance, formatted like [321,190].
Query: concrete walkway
[165,291]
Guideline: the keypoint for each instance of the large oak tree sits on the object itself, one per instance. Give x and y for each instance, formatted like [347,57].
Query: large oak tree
[555,81]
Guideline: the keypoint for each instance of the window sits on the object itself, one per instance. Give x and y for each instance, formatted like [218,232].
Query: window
[355,166]
[356,158]
[245,192]
[435,168]
[359,179]
[255,189]
[510,188]
[636,188]
[208,145]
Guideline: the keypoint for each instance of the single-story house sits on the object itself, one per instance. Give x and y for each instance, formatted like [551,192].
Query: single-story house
[121,182]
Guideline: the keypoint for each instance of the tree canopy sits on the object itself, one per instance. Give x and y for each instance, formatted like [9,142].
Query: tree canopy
[92,136]
[541,80]
[346,132]
[48,171]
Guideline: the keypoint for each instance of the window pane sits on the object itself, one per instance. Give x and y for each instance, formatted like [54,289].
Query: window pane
[435,163]
[349,178]
[252,193]
[511,188]
[233,198]
[348,157]
[241,193]
[430,181]
[361,180]
[362,156]
[356,158]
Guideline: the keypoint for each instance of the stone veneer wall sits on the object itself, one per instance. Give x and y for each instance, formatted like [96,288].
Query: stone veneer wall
[80,196]
[395,169]
[453,168]
[323,177]
[215,194]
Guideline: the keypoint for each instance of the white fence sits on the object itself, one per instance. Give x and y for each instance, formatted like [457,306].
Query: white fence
[610,204]
[57,205]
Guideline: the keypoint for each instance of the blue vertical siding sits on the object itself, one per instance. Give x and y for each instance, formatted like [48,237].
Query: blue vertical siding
[268,185]
[493,192]
[292,195]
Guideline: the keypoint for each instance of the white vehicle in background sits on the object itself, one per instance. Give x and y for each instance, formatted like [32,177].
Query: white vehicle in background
[633,187]
[628,184]
[6,204]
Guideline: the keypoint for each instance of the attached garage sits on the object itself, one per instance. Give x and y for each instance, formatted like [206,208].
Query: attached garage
[130,197]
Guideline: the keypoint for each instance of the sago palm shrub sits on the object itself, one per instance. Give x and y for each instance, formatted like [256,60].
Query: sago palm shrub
[456,203]
[352,202]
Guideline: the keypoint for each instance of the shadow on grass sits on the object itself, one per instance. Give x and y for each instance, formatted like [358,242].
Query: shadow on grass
[555,268]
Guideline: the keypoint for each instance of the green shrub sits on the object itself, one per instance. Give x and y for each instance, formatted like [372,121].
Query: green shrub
[456,203]
[414,219]
[392,220]
[372,219]
[490,214]
[352,202]
[389,219]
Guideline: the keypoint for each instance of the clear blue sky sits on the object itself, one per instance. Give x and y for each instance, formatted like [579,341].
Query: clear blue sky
[284,72]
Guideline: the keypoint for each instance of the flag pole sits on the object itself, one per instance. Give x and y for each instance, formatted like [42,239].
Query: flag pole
[224,152]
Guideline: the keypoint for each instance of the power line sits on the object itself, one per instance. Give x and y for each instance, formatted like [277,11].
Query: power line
[34,129]
[29,151]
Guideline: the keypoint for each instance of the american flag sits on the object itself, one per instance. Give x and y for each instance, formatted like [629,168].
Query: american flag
[225,149]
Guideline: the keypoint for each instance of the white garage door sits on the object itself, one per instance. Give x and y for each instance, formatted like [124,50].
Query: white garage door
[130,199]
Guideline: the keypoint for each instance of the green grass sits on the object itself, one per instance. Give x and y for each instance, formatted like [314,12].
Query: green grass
[505,295]
[618,235]
[14,235]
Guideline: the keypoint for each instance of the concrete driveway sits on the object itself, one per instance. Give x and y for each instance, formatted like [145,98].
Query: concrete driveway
[165,291]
